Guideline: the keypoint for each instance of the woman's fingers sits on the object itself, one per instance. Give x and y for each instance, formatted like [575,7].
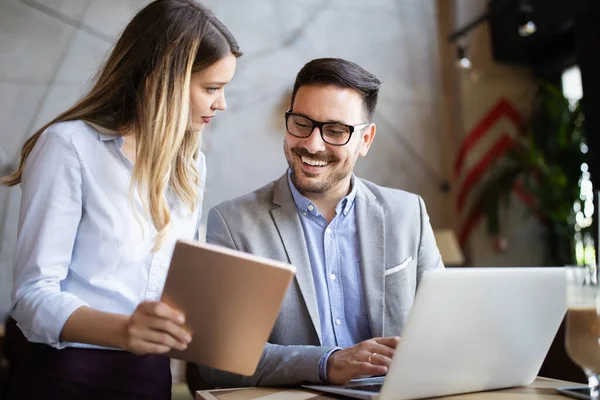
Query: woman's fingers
[154,327]
[167,326]
[158,337]
[160,309]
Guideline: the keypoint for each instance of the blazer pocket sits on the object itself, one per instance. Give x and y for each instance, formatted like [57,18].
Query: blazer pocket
[398,268]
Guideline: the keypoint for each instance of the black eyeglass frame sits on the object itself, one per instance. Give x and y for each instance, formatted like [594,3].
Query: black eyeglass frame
[320,125]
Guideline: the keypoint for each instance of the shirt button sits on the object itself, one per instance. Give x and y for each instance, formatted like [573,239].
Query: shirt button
[338,322]
[332,277]
[304,213]
[310,207]
[328,230]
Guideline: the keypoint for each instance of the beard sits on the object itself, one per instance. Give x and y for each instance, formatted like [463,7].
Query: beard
[315,183]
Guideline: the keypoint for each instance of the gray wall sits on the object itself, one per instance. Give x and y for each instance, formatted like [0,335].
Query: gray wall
[49,49]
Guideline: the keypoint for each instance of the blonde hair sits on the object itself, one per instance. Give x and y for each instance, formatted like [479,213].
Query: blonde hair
[144,87]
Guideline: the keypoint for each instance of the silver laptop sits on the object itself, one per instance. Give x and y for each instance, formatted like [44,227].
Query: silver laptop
[471,329]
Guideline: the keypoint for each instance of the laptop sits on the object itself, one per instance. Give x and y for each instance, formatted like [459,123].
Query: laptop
[230,300]
[470,330]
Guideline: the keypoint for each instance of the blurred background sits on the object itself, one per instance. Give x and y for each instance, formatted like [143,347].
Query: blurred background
[488,108]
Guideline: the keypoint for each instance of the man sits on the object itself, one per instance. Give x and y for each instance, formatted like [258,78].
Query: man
[359,249]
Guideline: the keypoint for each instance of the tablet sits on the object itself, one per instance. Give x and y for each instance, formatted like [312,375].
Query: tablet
[230,301]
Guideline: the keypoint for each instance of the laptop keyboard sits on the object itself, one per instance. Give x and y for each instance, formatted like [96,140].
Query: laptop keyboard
[374,387]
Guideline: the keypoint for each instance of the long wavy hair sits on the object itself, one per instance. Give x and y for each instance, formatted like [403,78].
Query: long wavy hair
[143,87]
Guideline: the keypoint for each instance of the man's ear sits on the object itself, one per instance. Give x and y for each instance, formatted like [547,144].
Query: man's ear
[367,138]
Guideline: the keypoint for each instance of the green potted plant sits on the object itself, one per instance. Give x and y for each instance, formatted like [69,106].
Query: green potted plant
[548,163]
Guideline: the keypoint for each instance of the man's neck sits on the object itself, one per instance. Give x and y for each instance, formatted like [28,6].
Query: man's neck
[326,202]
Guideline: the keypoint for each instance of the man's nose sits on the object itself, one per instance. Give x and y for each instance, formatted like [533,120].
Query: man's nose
[314,143]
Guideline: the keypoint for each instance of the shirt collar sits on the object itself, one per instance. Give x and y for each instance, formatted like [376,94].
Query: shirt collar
[305,206]
[348,201]
[103,133]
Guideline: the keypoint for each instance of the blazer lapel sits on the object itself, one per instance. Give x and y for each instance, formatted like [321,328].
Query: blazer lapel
[292,235]
[371,237]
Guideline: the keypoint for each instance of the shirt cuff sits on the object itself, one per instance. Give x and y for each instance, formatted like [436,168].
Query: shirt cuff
[42,321]
[323,364]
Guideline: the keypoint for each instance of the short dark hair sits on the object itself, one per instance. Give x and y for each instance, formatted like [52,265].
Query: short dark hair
[341,73]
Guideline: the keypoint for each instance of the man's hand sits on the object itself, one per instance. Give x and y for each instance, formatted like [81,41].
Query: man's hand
[371,357]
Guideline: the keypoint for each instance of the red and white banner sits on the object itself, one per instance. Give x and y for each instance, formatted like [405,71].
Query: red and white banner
[490,138]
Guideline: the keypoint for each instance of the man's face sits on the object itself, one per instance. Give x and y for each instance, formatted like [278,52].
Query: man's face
[319,167]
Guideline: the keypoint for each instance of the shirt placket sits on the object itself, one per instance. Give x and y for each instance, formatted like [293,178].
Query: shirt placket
[333,282]
[157,272]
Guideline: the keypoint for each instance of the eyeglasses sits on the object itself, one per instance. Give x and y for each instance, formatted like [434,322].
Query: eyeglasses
[332,133]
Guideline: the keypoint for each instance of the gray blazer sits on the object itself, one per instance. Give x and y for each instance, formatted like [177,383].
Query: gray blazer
[396,246]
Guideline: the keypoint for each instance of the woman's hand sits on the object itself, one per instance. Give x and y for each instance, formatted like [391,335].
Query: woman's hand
[155,328]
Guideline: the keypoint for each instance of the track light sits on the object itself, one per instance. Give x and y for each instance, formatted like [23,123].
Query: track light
[462,60]
[526,25]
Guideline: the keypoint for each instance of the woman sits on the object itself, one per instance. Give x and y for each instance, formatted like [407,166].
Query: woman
[107,189]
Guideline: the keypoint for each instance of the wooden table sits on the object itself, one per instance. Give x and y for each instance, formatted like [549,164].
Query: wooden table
[542,388]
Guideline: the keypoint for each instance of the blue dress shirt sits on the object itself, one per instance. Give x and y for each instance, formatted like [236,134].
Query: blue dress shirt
[334,255]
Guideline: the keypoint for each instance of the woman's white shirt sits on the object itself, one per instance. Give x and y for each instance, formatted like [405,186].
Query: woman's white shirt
[79,240]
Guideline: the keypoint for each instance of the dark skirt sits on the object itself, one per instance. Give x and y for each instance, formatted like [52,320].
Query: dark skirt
[79,373]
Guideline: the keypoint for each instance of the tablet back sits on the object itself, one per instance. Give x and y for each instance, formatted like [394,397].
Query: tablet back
[230,300]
